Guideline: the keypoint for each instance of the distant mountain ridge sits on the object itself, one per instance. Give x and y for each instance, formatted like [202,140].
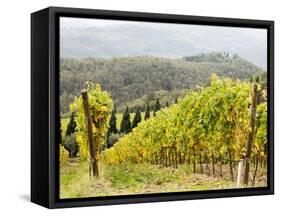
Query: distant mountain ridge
[169,42]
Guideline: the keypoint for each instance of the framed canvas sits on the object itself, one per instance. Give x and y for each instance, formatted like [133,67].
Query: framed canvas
[130,107]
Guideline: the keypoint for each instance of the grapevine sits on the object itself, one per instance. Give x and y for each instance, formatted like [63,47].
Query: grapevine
[208,124]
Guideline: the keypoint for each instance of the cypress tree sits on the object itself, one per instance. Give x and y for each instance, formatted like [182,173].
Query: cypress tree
[60,138]
[112,122]
[71,126]
[137,119]
[114,108]
[251,79]
[167,104]
[112,128]
[157,107]
[257,79]
[176,100]
[70,140]
[147,112]
[126,122]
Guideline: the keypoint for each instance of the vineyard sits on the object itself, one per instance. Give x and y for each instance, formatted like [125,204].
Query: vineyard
[208,126]
[203,136]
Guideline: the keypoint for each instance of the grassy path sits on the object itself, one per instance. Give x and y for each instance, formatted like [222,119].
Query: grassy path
[130,178]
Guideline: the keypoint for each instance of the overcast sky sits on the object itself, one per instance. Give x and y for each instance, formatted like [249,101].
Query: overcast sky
[82,37]
[67,22]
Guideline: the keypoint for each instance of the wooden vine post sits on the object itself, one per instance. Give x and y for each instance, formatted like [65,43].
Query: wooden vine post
[93,162]
[251,134]
[239,175]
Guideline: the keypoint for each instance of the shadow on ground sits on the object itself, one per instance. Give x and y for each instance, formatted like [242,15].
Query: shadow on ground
[25,197]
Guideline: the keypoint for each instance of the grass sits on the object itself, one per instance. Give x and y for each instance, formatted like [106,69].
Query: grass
[135,177]
[128,178]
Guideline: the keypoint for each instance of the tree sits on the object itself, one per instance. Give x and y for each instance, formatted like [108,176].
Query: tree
[176,100]
[193,73]
[167,104]
[112,139]
[112,122]
[126,122]
[114,108]
[147,112]
[137,119]
[157,107]
[251,79]
[60,137]
[71,126]
[69,142]
[93,108]
[71,145]
[257,79]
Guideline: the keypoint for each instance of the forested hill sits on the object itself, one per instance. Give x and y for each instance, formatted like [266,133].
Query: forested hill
[129,78]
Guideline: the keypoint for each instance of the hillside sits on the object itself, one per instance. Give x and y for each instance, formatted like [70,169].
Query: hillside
[164,97]
[130,78]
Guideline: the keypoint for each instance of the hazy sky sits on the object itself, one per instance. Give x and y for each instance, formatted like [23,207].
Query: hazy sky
[67,22]
[82,37]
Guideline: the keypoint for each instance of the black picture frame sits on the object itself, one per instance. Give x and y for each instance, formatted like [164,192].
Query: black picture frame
[45,106]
